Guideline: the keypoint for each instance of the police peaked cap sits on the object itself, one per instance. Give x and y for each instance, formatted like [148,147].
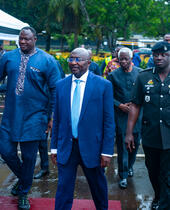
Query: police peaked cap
[161,47]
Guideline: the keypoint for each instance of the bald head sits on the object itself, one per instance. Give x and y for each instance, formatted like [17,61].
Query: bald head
[167,38]
[90,53]
[80,60]
[82,52]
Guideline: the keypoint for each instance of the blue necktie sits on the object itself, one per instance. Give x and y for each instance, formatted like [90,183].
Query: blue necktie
[75,110]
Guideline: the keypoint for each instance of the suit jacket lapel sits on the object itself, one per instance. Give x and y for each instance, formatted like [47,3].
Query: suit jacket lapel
[87,93]
[67,92]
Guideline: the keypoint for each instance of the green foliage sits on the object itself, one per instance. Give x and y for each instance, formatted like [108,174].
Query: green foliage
[99,62]
[64,64]
[97,20]
[10,47]
[70,41]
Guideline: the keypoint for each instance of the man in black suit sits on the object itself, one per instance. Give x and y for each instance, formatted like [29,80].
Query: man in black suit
[122,80]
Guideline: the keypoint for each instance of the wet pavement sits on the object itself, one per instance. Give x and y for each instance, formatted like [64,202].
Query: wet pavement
[138,195]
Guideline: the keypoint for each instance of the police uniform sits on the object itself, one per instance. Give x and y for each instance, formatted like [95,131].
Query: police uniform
[154,96]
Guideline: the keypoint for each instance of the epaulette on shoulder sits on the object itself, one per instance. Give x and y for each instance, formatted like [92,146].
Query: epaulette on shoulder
[146,70]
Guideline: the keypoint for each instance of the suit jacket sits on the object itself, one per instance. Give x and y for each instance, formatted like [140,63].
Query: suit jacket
[96,122]
[123,83]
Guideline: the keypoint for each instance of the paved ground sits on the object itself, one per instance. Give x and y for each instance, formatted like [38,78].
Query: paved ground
[138,195]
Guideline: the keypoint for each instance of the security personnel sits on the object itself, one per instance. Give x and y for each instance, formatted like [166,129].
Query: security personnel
[152,92]
[104,63]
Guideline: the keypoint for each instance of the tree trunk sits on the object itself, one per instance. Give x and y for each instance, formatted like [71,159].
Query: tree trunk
[62,44]
[48,42]
[126,25]
[76,33]
[108,41]
[98,46]
[75,39]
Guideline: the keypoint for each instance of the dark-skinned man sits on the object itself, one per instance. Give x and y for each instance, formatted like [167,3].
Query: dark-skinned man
[122,80]
[113,64]
[32,75]
[83,131]
[150,63]
[94,67]
[152,92]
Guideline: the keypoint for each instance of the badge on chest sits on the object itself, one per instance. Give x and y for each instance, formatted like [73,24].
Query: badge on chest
[147,98]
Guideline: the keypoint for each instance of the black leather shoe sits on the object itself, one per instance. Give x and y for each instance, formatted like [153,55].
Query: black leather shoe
[15,189]
[123,183]
[155,204]
[41,173]
[23,203]
[130,172]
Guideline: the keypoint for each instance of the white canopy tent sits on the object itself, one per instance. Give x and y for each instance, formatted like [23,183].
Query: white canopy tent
[10,27]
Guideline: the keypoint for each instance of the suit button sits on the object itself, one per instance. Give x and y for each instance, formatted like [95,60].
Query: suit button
[161,108]
[160,121]
[161,96]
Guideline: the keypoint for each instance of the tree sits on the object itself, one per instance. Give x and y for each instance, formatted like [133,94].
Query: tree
[115,19]
[97,20]
[69,15]
[155,21]
[44,19]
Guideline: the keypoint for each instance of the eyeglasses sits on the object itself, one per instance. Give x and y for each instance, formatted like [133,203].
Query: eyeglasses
[77,60]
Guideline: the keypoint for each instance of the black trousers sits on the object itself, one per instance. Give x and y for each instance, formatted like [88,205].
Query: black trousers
[158,164]
[126,159]
[43,150]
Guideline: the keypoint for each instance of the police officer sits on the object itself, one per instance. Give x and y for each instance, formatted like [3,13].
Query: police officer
[152,92]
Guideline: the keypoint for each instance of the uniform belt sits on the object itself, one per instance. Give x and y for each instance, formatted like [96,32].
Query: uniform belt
[75,139]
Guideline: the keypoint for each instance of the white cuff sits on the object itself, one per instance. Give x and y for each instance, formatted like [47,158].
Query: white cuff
[107,155]
[53,151]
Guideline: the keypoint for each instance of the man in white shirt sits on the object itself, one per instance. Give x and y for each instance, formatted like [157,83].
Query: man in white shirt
[83,131]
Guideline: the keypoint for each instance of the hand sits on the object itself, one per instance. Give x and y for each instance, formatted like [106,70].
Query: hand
[129,141]
[105,161]
[50,125]
[125,107]
[54,158]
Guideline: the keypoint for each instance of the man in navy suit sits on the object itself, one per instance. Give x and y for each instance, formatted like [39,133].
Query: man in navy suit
[88,141]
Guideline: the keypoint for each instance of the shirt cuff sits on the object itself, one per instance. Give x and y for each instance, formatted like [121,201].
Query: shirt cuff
[107,155]
[53,151]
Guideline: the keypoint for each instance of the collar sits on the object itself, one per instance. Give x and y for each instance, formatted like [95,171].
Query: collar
[82,78]
[28,55]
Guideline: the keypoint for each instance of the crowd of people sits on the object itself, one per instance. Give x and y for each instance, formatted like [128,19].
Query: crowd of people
[85,113]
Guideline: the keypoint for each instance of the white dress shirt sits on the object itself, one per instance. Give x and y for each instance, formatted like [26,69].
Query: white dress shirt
[83,80]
